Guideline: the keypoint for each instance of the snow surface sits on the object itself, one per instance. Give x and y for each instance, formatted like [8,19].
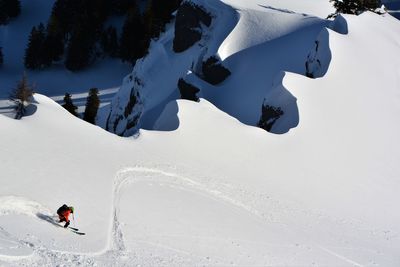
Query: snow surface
[208,190]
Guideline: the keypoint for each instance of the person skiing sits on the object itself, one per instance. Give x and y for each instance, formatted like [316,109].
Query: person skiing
[63,213]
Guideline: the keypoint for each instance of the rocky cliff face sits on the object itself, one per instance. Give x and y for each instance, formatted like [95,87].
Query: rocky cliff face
[154,80]
[230,57]
[190,19]
[126,109]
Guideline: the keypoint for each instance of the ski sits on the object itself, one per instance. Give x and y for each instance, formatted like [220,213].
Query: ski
[76,230]
[78,233]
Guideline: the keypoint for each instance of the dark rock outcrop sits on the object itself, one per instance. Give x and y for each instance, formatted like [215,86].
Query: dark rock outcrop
[124,121]
[188,91]
[189,19]
[213,71]
[269,116]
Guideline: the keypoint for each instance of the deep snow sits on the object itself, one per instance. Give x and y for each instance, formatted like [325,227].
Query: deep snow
[209,190]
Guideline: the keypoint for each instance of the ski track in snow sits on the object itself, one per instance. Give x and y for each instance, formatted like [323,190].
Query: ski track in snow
[115,250]
[21,206]
[213,189]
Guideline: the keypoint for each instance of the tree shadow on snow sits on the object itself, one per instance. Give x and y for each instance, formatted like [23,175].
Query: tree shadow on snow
[30,110]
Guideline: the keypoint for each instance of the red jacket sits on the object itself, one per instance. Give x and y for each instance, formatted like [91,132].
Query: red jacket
[65,214]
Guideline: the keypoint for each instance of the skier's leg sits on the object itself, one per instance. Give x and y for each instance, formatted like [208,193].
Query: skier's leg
[62,218]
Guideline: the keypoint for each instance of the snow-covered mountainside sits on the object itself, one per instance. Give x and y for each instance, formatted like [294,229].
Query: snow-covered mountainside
[203,188]
[254,41]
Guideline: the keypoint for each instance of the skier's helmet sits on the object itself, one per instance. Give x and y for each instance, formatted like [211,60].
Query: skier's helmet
[72,209]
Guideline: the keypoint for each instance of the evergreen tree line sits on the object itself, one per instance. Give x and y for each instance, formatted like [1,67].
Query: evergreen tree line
[22,94]
[76,32]
[9,9]
[91,108]
[1,56]
[354,6]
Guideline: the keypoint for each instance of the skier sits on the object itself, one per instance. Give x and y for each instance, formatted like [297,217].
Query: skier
[63,213]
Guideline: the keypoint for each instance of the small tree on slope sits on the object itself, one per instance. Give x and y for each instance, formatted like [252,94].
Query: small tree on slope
[69,105]
[92,105]
[21,96]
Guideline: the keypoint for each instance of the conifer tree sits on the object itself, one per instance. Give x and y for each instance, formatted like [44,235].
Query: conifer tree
[134,42]
[21,96]
[13,8]
[69,105]
[33,53]
[92,105]
[9,9]
[80,49]
[152,21]
[158,14]
[109,41]
[1,57]
[3,13]
[53,46]
[121,7]
[66,12]
[354,6]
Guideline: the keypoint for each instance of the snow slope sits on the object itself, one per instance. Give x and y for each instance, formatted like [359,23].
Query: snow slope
[207,190]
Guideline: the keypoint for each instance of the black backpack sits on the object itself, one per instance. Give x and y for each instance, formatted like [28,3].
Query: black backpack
[62,209]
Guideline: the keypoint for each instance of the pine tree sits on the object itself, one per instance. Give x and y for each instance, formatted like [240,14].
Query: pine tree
[121,7]
[134,42]
[69,105]
[152,21]
[21,96]
[53,45]
[92,105]
[80,49]
[354,6]
[158,14]
[371,4]
[13,8]
[66,12]
[33,53]
[109,41]
[9,9]
[1,56]
[3,13]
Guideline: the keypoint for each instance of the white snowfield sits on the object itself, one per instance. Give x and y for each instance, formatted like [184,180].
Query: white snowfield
[208,190]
